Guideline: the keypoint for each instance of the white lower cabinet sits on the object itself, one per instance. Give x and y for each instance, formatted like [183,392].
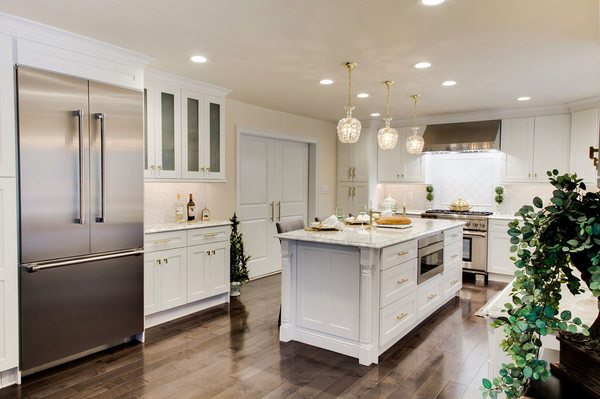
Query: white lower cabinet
[429,296]
[397,318]
[499,249]
[174,277]
[206,275]
[452,281]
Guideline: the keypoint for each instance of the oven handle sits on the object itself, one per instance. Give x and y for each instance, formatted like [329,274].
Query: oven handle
[430,249]
[475,233]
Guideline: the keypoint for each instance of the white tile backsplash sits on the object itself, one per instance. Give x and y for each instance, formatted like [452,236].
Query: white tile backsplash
[160,198]
[470,176]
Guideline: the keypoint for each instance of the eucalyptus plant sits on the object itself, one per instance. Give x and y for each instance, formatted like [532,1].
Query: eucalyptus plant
[550,242]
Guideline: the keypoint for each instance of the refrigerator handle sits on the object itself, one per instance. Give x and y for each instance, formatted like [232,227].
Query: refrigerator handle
[79,114]
[34,267]
[102,218]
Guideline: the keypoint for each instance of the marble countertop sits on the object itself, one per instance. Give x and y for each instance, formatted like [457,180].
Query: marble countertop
[503,216]
[584,305]
[379,237]
[162,227]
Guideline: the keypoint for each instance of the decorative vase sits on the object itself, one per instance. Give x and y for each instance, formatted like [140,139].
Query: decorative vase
[498,208]
[429,205]
[235,288]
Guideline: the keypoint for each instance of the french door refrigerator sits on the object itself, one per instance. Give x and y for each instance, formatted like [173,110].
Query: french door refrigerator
[81,216]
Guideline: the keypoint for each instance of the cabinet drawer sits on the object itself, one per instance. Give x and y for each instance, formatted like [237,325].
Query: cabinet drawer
[207,235]
[398,281]
[453,253]
[429,296]
[166,240]
[500,226]
[452,282]
[453,235]
[397,318]
[399,253]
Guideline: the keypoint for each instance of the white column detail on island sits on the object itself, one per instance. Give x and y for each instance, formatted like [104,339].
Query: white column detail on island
[368,349]
[286,331]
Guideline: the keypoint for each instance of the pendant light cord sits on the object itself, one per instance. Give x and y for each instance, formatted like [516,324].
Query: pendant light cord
[415,98]
[349,66]
[387,105]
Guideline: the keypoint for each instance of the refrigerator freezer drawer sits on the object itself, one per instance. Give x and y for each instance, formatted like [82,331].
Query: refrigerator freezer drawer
[69,309]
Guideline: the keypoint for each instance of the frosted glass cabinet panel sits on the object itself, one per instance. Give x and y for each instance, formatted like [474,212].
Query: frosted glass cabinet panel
[215,140]
[162,138]
[192,117]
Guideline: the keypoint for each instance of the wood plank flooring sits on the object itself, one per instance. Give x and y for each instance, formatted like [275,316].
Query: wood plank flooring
[237,354]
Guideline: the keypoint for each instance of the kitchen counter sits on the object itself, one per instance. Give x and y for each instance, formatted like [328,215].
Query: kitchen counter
[357,292]
[503,216]
[162,227]
[379,237]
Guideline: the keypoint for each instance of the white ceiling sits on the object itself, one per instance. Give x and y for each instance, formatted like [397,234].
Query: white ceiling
[273,52]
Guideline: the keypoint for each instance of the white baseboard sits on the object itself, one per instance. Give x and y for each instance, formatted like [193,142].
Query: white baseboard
[10,377]
[502,278]
[185,310]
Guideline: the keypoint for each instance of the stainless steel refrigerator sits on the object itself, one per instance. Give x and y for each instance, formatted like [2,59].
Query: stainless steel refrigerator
[81,215]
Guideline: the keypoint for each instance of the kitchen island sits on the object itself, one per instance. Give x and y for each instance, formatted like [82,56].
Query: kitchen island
[359,291]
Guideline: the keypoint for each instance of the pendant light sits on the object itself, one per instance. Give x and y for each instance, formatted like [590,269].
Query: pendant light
[348,128]
[387,136]
[415,143]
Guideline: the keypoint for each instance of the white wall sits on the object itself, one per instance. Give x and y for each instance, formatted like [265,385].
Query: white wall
[220,197]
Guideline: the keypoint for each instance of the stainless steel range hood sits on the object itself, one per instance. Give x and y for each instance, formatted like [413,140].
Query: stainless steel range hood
[463,137]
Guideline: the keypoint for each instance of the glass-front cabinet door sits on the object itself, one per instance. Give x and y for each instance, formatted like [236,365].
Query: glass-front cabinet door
[215,137]
[162,141]
[193,122]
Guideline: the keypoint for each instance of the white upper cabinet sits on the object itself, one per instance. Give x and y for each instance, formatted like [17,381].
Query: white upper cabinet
[551,145]
[162,148]
[533,146]
[7,108]
[584,133]
[397,165]
[184,135]
[353,159]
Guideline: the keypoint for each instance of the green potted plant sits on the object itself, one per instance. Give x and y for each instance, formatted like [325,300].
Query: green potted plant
[499,198]
[429,196]
[238,261]
[550,242]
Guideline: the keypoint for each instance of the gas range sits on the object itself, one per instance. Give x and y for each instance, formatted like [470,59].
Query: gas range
[474,220]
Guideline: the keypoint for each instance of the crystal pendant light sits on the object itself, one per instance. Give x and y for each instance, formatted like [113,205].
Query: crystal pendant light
[415,143]
[387,136]
[348,128]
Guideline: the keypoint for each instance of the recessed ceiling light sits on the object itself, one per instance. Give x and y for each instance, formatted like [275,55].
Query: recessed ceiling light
[449,83]
[422,65]
[525,98]
[431,2]
[326,81]
[198,58]
[375,114]
[362,95]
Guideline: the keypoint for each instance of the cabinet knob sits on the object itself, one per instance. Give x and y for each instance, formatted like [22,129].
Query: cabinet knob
[208,253]
[151,167]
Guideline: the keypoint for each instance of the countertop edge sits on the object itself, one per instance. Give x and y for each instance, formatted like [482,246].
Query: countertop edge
[166,227]
[289,237]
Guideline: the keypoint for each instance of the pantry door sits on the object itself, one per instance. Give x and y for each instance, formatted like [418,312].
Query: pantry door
[272,186]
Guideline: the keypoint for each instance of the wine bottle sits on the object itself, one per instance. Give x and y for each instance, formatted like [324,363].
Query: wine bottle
[179,209]
[190,210]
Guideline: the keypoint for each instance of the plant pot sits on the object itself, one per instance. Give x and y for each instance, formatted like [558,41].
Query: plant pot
[498,208]
[235,288]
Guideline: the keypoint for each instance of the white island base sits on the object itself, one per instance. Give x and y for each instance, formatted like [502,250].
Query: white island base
[355,292]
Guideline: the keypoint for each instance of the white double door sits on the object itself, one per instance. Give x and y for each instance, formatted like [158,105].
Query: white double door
[272,187]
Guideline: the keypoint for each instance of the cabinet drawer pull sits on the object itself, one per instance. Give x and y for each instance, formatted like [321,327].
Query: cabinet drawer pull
[349,172]
[208,235]
[454,256]
[214,252]
[454,236]
[208,253]
[354,172]
[166,260]
[404,280]
[401,316]
[430,297]
[453,282]
[402,253]
[163,241]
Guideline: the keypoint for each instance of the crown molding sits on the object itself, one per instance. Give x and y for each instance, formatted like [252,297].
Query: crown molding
[585,103]
[155,75]
[37,32]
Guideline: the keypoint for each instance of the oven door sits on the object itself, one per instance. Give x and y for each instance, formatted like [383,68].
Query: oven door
[431,261]
[475,251]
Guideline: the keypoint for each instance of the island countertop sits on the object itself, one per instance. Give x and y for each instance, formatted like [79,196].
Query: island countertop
[379,237]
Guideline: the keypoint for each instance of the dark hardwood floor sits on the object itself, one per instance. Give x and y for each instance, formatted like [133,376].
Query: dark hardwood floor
[216,354]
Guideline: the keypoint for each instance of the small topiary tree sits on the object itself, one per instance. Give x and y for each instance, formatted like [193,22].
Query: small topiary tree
[499,195]
[549,243]
[429,191]
[238,261]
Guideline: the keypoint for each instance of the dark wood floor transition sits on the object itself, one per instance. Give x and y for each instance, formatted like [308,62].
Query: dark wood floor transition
[216,354]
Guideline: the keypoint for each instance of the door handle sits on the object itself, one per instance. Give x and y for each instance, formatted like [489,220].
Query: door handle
[272,211]
[102,219]
[592,157]
[279,211]
[214,252]
[166,260]
[79,114]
